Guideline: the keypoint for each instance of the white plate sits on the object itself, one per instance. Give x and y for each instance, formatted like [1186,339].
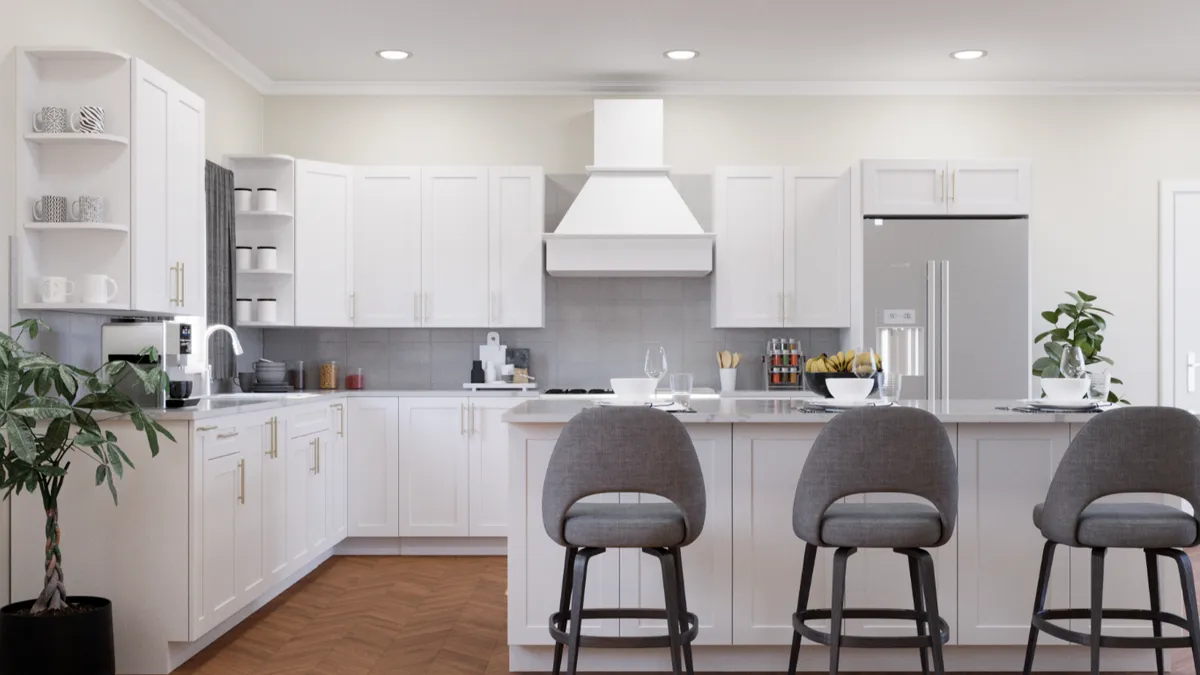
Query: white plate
[1066,404]
[624,403]
[848,403]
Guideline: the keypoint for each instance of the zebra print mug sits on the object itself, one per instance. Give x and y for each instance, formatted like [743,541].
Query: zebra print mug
[89,120]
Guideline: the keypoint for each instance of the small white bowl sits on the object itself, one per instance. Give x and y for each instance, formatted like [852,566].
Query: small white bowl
[849,389]
[634,388]
[1064,389]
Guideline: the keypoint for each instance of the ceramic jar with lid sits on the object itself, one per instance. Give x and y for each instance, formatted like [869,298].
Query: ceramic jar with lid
[268,258]
[268,199]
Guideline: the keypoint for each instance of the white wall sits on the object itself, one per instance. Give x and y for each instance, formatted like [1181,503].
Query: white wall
[234,109]
[1097,161]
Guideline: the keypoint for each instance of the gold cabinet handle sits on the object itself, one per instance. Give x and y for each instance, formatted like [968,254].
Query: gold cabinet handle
[228,435]
[242,471]
[942,185]
[205,428]
[182,285]
[416,307]
[175,279]
[313,444]
[273,452]
[341,419]
[318,454]
[425,303]
[471,417]
[954,185]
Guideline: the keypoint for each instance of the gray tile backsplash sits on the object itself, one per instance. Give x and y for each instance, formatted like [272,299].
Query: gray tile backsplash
[596,329]
[601,329]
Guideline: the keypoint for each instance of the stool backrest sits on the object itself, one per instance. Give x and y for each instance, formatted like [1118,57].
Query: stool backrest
[1136,449]
[611,449]
[893,449]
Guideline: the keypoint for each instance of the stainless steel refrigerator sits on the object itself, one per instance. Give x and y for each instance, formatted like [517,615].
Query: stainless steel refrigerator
[966,283]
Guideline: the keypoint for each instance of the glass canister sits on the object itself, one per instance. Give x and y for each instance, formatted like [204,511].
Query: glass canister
[355,379]
[329,375]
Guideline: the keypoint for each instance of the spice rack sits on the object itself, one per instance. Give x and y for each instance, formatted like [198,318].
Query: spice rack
[783,365]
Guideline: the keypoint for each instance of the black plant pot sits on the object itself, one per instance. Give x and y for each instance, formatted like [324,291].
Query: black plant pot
[79,642]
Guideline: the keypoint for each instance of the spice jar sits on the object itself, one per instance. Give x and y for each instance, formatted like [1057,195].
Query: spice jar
[329,378]
[354,379]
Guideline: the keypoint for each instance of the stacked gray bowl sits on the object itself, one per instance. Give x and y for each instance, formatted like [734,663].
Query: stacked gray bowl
[270,372]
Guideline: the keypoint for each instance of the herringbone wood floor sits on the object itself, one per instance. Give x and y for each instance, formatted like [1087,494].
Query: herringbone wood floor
[395,615]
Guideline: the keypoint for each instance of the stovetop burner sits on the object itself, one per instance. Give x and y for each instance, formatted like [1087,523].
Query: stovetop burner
[578,392]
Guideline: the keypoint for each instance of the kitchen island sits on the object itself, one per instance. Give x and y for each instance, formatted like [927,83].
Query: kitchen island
[743,572]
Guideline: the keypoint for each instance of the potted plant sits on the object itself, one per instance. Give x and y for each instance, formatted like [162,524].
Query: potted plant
[51,413]
[1084,329]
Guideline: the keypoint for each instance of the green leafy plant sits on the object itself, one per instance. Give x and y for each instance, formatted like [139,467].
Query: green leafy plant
[1084,329]
[43,431]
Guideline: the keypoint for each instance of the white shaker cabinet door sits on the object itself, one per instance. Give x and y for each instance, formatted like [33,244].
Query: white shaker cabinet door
[516,222]
[275,513]
[434,478]
[324,235]
[904,187]
[748,221]
[989,187]
[336,475]
[301,463]
[374,470]
[454,245]
[186,219]
[218,527]
[155,283]
[816,248]
[489,465]
[387,246]
[1004,472]
[318,496]
[767,555]
[707,562]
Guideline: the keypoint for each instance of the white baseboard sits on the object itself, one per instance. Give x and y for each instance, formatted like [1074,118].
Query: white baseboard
[815,658]
[179,652]
[422,546]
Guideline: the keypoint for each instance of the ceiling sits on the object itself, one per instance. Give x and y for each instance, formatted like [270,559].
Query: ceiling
[740,41]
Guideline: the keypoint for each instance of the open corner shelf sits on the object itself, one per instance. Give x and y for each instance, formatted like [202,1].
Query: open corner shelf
[263,217]
[77,227]
[76,139]
[266,273]
[75,54]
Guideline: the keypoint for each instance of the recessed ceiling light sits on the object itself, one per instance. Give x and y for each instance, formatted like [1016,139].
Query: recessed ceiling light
[681,54]
[393,54]
[968,54]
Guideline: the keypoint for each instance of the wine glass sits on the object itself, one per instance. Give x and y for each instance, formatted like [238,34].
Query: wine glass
[1073,365]
[656,362]
[865,364]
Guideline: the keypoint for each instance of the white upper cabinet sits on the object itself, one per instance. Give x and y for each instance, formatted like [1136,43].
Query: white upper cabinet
[516,222]
[989,187]
[939,187]
[783,248]
[748,221]
[324,236]
[168,226]
[816,249]
[387,246]
[454,242]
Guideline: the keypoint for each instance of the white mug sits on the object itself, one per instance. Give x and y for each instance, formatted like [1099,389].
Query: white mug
[96,289]
[56,289]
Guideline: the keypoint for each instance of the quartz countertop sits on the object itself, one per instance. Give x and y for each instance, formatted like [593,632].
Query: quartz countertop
[233,405]
[786,411]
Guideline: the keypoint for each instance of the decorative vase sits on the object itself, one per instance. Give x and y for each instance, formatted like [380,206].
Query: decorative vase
[78,641]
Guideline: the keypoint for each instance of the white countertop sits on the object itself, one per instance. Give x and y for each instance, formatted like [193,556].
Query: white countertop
[221,407]
[785,411]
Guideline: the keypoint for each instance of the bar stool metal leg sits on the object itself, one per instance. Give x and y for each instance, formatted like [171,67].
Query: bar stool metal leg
[564,603]
[929,585]
[671,592]
[1188,584]
[1155,602]
[683,610]
[579,585]
[1097,612]
[806,576]
[1039,602]
[914,578]
[837,606]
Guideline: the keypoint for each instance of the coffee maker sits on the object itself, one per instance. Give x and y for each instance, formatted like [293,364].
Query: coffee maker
[125,339]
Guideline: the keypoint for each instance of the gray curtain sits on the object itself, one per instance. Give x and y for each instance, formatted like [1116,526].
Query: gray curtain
[222,237]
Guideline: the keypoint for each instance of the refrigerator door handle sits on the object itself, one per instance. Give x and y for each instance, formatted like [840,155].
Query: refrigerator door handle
[931,332]
[944,338]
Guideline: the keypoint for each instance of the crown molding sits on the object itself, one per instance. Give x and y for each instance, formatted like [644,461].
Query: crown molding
[195,30]
[585,88]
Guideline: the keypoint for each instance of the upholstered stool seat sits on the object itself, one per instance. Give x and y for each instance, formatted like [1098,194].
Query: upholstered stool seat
[896,525]
[1131,526]
[624,525]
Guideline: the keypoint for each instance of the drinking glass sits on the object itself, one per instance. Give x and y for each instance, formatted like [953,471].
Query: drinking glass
[1072,365]
[656,362]
[865,364]
[681,389]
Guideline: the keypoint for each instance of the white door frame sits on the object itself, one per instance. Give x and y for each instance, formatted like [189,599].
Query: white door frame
[1168,190]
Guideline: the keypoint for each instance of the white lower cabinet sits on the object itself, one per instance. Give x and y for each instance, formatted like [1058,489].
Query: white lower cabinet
[374,472]
[275,511]
[318,494]
[434,460]
[300,466]
[488,466]
[335,474]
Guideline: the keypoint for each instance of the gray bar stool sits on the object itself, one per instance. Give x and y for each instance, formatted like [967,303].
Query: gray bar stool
[902,450]
[1143,449]
[605,450]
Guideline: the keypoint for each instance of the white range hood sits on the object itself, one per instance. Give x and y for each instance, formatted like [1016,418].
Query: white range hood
[629,221]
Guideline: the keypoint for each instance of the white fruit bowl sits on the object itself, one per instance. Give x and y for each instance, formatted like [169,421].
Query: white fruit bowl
[1064,389]
[850,389]
[634,388]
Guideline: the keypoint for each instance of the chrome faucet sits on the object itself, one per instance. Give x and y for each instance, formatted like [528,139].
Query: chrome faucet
[237,349]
